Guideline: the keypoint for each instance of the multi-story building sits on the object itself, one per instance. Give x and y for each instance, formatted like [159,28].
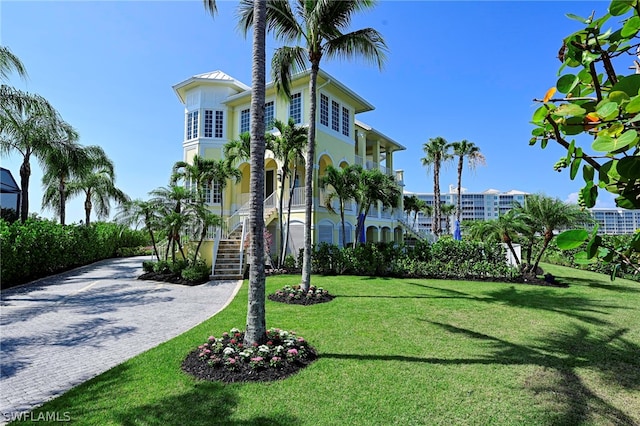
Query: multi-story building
[217,111]
[491,203]
[616,221]
[475,205]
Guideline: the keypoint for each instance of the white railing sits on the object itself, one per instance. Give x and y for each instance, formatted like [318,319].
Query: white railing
[359,160]
[237,218]
[373,211]
[245,224]
[370,165]
[298,197]
[383,169]
[386,213]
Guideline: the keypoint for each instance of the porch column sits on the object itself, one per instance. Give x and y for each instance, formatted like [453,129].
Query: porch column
[362,147]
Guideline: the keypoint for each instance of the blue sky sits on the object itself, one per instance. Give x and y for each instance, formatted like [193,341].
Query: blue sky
[460,70]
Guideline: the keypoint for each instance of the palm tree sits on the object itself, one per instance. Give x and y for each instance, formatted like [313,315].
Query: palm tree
[322,25]
[10,63]
[425,209]
[238,149]
[373,187]
[220,172]
[474,157]
[503,229]
[201,220]
[409,202]
[29,127]
[547,214]
[98,188]
[288,148]
[344,182]
[437,153]
[447,210]
[63,170]
[169,202]
[137,212]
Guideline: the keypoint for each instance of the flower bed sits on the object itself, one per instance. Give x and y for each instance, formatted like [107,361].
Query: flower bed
[297,296]
[226,359]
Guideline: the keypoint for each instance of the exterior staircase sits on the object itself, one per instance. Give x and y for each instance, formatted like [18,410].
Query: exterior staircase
[229,260]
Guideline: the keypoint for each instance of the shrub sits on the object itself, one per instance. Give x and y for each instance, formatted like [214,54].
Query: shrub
[196,273]
[178,266]
[148,266]
[162,267]
[290,263]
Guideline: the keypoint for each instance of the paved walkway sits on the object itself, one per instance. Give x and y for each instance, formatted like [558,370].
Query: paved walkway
[60,331]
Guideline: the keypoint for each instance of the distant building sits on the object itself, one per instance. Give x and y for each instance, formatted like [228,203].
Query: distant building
[491,203]
[616,221]
[485,205]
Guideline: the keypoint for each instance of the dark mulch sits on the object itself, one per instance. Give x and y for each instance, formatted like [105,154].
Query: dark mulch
[169,278]
[324,298]
[200,369]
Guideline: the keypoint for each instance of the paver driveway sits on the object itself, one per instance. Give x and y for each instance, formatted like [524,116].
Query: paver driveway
[60,331]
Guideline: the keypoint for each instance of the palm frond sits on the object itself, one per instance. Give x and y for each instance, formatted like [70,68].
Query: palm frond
[366,43]
[287,61]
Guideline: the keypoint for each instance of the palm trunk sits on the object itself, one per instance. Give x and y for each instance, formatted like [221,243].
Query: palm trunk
[63,201]
[308,184]
[256,331]
[548,236]
[436,197]
[507,240]
[459,208]
[87,210]
[25,174]
[286,237]
[344,236]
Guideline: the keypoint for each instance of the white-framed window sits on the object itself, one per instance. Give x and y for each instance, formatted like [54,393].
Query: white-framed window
[324,110]
[216,193]
[245,116]
[346,130]
[295,108]
[219,124]
[269,114]
[208,123]
[335,116]
[192,125]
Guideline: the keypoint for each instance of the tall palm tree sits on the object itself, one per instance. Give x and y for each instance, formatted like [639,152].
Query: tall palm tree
[98,188]
[322,26]
[437,153]
[169,202]
[467,149]
[64,170]
[287,147]
[548,214]
[138,212]
[201,220]
[344,182]
[373,187]
[503,229]
[31,130]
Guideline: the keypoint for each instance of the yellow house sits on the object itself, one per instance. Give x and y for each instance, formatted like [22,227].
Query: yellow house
[217,111]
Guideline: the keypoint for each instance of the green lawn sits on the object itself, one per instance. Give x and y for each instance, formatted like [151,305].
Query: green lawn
[406,352]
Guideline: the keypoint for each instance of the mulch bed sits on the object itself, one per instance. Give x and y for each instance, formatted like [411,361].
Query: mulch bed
[242,372]
[302,300]
[169,278]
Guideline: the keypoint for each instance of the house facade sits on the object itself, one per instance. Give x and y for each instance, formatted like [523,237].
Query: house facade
[217,111]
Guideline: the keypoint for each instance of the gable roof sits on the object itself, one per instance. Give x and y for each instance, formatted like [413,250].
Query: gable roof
[218,77]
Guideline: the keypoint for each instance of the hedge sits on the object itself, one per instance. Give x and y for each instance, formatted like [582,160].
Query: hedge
[38,248]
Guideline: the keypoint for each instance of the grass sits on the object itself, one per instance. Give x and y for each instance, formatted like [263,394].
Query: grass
[406,352]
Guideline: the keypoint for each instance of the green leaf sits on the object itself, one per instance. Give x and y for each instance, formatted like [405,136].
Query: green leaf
[533,141]
[592,246]
[605,254]
[629,167]
[618,97]
[577,18]
[607,109]
[589,194]
[631,27]
[571,150]
[619,7]
[626,139]
[571,239]
[603,144]
[587,173]
[540,114]
[566,110]
[567,82]
[543,143]
[538,131]
[633,106]
[629,84]
[625,203]
[575,165]
[573,126]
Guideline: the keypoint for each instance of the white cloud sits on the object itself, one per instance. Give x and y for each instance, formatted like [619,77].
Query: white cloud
[605,200]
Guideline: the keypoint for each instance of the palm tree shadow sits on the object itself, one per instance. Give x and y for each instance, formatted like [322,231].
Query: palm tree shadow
[559,356]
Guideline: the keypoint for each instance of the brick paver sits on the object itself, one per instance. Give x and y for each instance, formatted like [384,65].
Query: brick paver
[60,331]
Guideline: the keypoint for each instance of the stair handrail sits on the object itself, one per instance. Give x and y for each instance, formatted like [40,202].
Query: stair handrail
[242,213]
[242,240]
